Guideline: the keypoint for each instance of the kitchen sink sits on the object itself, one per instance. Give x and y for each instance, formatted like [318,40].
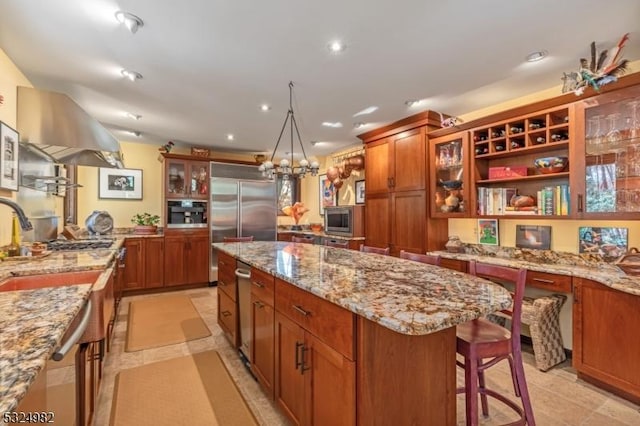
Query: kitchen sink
[32,282]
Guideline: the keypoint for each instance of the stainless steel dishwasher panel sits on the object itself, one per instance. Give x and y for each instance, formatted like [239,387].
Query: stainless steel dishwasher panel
[243,275]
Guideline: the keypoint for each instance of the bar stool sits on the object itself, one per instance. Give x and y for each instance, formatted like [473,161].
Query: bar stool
[337,243]
[237,239]
[378,250]
[306,240]
[481,339]
[424,258]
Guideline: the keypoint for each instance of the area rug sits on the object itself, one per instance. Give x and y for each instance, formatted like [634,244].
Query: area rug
[161,321]
[191,390]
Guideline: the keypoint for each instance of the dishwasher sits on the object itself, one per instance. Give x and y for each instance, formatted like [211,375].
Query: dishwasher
[243,274]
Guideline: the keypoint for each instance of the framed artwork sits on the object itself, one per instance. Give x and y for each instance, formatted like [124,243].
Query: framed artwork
[360,192]
[125,184]
[534,237]
[488,232]
[9,147]
[328,193]
[607,242]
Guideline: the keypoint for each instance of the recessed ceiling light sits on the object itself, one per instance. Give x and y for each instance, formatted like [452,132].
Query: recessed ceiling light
[337,46]
[131,21]
[133,116]
[359,125]
[332,124]
[366,111]
[230,137]
[265,107]
[412,102]
[131,75]
[133,133]
[537,56]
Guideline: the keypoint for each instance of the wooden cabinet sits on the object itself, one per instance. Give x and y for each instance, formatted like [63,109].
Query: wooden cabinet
[185,177]
[449,175]
[141,266]
[396,199]
[228,298]
[186,256]
[263,329]
[314,358]
[604,350]
[504,155]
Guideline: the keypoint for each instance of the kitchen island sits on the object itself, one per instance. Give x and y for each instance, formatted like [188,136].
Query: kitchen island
[401,357]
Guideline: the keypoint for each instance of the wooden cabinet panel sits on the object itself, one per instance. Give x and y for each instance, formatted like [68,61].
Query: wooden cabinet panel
[377,167]
[186,257]
[285,236]
[262,342]
[408,219]
[289,383]
[377,220]
[409,161]
[153,272]
[228,318]
[552,282]
[174,260]
[263,285]
[454,264]
[605,321]
[133,274]
[197,259]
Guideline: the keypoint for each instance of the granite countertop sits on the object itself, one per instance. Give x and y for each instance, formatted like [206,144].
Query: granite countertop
[318,234]
[405,296]
[575,265]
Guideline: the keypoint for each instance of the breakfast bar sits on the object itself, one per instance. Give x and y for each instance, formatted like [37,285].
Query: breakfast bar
[388,325]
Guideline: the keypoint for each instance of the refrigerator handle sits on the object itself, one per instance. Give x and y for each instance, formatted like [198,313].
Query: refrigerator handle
[239,225]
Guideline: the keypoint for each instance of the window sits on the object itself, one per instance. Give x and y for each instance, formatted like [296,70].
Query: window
[288,192]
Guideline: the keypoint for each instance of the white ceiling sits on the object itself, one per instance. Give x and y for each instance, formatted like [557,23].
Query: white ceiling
[209,64]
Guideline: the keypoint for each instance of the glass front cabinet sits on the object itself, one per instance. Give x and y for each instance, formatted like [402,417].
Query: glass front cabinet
[609,126]
[186,179]
[449,178]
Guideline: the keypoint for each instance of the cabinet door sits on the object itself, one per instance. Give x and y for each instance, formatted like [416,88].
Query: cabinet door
[197,259]
[174,254]
[604,319]
[377,216]
[289,390]
[133,276]
[153,271]
[228,317]
[449,178]
[408,219]
[198,182]
[177,178]
[330,385]
[377,168]
[262,343]
[408,161]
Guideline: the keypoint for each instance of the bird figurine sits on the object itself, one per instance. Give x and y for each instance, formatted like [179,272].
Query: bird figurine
[597,73]
[167,147]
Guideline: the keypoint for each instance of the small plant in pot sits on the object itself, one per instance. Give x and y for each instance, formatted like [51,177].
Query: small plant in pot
[145,223]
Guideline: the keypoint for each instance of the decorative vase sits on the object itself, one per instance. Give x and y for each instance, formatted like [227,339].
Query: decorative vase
[145,229]
[454,245]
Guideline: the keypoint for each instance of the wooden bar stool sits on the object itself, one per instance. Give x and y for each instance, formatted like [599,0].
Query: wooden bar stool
[306,240]
[237,239]
[424,258]
[378,250]
[481,339]
[337,243]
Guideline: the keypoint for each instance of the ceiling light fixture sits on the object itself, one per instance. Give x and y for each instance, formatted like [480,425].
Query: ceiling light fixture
[337,46]
[334,124]
[131,75]
[286,167]
[366,111]
[133,133]
[412,102]
[131,21]
[359,125]
[265,107]
[133,116]
[537,56]
[230,136]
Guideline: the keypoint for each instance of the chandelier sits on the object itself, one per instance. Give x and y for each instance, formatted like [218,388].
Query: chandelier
[286,167]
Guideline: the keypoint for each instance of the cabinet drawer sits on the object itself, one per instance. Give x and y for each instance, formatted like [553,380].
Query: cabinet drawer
[227,317]
[329,322]
[227,283]
[226,263]
[262,285]
[552,282]
[454,264]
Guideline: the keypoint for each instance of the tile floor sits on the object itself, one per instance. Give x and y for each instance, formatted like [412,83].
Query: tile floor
[558,397]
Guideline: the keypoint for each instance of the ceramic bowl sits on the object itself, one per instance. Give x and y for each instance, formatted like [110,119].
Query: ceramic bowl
[451,184]
[548,165]
[316,227]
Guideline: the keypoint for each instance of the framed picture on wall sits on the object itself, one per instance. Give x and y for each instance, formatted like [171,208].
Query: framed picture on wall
[125,184]
[9,146]
[360,192]
[608,242]
[534,237]
[328,193]
[488,232]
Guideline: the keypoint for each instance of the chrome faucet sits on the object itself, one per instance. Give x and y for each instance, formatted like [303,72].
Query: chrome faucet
[24,221]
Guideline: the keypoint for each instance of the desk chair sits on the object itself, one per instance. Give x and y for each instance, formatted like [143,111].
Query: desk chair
[337,243]
[369,249]
[424,258]
[306,240]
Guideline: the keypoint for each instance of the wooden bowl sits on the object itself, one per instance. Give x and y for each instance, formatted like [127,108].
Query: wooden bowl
[548,165]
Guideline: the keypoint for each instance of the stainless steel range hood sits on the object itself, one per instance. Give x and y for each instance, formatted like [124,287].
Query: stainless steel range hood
[53,124]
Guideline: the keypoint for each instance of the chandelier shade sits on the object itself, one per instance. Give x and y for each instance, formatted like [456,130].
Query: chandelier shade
[286,166]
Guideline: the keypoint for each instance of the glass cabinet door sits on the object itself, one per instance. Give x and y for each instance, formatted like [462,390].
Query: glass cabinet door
[449,176]
[176,174]
[612,154]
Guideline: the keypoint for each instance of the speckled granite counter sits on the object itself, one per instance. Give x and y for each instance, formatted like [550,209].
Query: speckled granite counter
[407,297]
[579,265]
[320,234]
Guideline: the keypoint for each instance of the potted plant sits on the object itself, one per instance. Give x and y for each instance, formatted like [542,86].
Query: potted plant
[145,223]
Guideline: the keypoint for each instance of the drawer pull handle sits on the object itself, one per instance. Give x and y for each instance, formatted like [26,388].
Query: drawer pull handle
[258,284]
[542,280]
[258,304]
[303,367]
[226,313]
[298,346]
[301,310]
[222,283]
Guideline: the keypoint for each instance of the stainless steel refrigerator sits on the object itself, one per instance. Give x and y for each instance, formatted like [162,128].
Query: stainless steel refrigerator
[242,203]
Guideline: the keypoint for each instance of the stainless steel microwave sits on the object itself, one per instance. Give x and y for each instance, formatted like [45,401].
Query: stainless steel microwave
[346,221]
